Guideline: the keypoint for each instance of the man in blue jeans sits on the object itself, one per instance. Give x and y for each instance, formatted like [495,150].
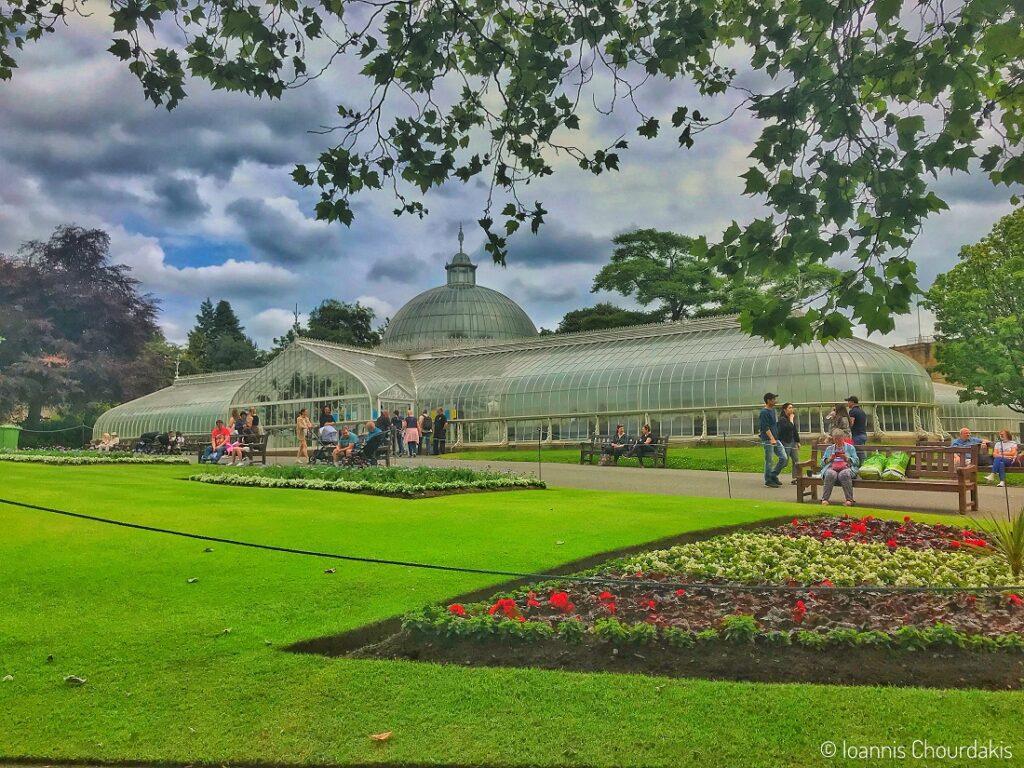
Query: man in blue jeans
[768,429]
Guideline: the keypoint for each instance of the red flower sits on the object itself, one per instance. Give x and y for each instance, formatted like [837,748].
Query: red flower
[795,522]
[891,543]
[680,592]
[457,609]
[843,524]
[906,518]
[826,534]
[971,599]
[507,606]
[826,583]
[532,602]
[611,607]
[562,602]
[976,542]
[1015,599]
[954,544]
[799,611]
[901,529]
[520,618]
[606,596]
[858,528]
[650,605]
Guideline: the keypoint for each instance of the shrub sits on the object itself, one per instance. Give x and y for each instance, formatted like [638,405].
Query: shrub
[740,629]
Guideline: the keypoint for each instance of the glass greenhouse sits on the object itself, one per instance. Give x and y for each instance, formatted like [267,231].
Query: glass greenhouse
[475,353]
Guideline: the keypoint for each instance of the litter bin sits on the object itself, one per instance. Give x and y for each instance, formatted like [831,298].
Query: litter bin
[9,437]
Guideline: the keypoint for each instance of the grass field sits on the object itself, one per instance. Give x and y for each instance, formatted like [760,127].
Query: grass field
[165,683]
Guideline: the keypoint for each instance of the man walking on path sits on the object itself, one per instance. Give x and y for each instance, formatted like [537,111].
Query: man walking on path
[858,423]
[768,428]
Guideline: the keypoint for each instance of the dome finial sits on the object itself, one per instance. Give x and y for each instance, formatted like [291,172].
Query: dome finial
[462,238]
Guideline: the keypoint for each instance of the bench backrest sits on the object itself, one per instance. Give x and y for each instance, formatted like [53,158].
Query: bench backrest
[925,461]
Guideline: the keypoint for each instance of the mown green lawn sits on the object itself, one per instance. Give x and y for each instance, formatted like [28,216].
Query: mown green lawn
[165,683]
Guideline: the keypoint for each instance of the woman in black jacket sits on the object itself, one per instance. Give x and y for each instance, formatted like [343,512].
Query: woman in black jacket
[790,437]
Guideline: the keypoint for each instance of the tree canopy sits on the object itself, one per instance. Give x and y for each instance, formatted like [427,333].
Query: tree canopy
[666,269]
[218,342]
[76,328]
[979,317]
[343,323]
[861,103]
[601,316]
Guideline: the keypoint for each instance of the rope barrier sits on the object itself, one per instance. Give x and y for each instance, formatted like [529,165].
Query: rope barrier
[512,574]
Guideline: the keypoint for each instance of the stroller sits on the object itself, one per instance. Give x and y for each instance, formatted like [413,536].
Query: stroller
[325,446]
[153,442]
[366,455]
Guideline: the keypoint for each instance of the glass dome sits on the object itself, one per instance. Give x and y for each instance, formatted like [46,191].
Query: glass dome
[459,310]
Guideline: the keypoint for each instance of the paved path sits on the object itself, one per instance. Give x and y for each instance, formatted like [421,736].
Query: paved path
[744,485]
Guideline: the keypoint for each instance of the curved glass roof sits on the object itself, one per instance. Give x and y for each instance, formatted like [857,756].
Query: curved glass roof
[192,405]
[459,310]
[701,364]
[980,418]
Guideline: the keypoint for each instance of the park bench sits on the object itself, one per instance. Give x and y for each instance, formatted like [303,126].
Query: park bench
[1016,468]
[657,451]
[931,468]
[257,445]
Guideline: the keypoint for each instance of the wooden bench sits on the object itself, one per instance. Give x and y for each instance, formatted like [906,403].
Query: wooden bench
[931,468]
[657,451]
[1017,468]
[256,445]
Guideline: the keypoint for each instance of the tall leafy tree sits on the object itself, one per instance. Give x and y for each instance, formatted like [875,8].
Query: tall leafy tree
[343,323]
[601,316]
[841,91]
[661,268]
[979,317]
[218,342]
[200,337]
[75,325]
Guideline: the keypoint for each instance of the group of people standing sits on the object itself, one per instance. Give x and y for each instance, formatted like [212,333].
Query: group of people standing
[780,437]
[409,434]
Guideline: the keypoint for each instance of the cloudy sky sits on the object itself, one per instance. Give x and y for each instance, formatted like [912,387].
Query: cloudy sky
[199,201]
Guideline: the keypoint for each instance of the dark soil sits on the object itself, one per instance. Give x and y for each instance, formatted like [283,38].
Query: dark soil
[870,530]
[1000,670]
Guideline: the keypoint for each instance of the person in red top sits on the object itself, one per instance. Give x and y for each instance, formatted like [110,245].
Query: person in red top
[218,444]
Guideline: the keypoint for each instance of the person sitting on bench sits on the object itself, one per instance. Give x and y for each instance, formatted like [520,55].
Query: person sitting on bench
[966,440]
[218,444]
[839,464]
[646,445]
[1006,452]
[619,444]
[346,445]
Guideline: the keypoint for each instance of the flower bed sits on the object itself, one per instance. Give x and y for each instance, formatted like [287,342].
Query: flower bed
[77,458]
[393,481]
[775,596]
[871,530]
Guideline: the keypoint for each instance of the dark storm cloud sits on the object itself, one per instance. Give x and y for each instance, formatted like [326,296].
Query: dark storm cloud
[179,198]
[279,238]
[554,244]
[404,270]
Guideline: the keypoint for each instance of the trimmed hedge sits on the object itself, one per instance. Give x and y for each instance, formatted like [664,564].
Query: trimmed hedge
[381,481]
[74,458]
